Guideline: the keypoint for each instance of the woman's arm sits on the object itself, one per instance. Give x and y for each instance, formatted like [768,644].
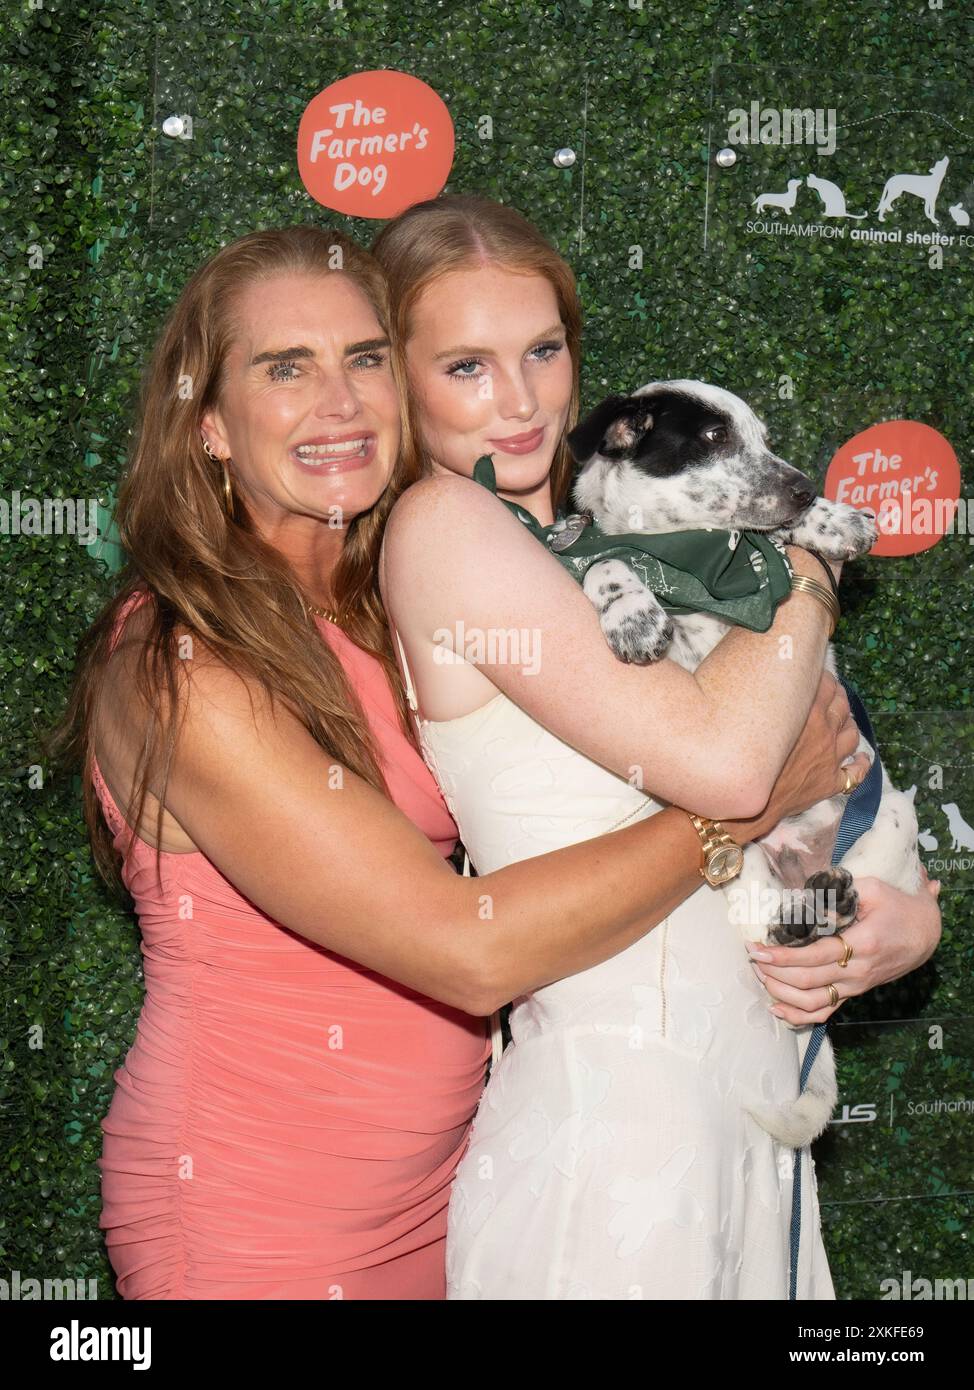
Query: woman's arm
[328,856]
[715,740]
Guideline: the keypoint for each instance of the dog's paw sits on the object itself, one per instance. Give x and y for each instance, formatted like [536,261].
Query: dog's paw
[827,904]
[636,627]
[834,529]
[637,632]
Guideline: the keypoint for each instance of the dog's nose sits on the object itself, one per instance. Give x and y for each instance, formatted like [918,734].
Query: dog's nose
[804,495]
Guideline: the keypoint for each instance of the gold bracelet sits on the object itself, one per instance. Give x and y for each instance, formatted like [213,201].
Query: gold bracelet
[815,586]
[805,584]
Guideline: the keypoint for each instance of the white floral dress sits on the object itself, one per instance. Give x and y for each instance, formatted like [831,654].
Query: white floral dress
[611,1156]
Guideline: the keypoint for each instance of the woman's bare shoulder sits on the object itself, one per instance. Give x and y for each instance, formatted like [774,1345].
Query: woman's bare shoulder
[134,695]
[441,499]
[452,521]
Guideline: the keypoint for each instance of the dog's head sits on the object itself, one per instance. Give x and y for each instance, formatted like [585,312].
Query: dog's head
[681,456]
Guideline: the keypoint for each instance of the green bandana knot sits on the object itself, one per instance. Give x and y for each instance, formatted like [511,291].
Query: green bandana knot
[739,576]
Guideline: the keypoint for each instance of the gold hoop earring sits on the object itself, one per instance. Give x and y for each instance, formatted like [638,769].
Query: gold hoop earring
[227,490]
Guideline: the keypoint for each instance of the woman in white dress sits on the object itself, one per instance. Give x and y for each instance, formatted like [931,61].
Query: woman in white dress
[612,1155]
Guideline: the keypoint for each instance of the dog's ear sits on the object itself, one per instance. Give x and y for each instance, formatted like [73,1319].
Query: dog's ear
[614,429]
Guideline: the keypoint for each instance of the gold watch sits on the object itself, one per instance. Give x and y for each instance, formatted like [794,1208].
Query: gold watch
[723,857]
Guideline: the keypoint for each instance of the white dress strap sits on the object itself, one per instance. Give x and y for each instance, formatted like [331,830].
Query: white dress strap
[496,1035]
[410,692]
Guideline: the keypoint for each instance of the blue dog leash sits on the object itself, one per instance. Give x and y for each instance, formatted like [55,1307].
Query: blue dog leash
[859,815]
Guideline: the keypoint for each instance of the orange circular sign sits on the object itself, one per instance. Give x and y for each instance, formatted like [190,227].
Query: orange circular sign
[907,473]
[374,143]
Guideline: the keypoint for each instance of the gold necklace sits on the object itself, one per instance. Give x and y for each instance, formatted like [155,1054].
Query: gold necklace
[324,613]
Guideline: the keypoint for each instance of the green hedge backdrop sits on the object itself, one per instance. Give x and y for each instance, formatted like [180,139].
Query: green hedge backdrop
[103,218]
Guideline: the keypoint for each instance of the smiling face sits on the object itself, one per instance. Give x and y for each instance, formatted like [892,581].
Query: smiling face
[491,374]
[309,411]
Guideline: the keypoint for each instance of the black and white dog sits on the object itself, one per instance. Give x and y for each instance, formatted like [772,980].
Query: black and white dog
[685,455]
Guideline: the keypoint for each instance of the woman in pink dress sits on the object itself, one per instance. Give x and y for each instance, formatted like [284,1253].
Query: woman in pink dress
[312,1044]
[268,1076]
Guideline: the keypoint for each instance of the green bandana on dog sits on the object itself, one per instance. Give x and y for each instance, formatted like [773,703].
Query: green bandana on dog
[739,576]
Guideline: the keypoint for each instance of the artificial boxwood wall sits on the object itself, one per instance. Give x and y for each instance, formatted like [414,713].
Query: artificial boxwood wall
[102,219]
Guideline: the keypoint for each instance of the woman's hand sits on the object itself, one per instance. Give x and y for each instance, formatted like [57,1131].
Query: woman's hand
[894,933]
[812,771]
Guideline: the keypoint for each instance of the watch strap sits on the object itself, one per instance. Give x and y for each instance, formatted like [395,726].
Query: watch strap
[712,837]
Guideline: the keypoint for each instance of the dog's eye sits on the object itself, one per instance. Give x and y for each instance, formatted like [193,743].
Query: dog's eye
[717,434]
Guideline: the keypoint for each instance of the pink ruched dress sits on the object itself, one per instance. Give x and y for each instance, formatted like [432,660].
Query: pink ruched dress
[287,1123]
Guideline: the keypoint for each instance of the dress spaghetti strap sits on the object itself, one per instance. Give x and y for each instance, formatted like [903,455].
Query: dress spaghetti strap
[496,1033]
[410,692]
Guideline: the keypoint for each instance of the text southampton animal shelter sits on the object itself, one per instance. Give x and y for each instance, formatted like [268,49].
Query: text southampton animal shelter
[923,201]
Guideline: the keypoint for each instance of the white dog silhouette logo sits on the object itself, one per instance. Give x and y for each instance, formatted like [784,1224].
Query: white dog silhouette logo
[785,201]
[961,834]
[923,186]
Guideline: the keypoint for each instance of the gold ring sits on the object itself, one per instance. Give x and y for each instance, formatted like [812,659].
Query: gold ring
[833,995]
[850,782]
[846,956]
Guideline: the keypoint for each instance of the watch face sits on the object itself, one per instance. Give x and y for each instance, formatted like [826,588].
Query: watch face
[725,862]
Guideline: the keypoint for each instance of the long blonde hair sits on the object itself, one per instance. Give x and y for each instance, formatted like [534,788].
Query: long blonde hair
[460,231]
[215,576]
